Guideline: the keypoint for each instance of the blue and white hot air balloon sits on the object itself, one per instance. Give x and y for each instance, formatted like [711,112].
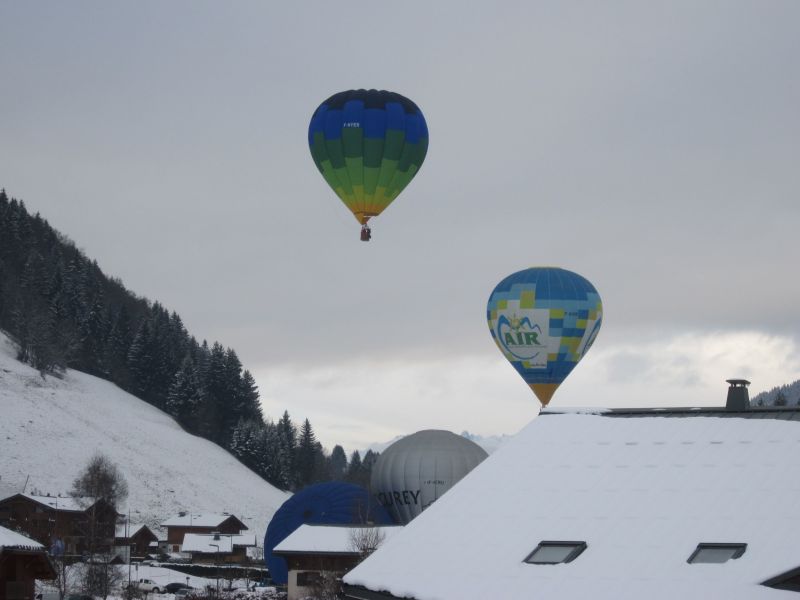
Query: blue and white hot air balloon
[544,320]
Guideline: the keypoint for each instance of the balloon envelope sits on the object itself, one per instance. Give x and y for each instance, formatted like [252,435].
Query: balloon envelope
[544,320]
[331,503]
[416,470]
[368,145]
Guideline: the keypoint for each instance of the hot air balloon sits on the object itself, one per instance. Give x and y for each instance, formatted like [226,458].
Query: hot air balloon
[368,145]
[416,470]
[544,320]
[330,503]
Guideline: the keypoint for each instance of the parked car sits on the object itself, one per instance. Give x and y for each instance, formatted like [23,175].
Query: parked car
[148,585]
[172,588]
[184,593]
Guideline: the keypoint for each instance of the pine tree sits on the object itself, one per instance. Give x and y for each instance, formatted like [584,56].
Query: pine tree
[212,403]
[367,464]
[183,397]
[307,451]
[287,436]
[337,463]
[354,470]
[141,363]
[118,344]
[249,399]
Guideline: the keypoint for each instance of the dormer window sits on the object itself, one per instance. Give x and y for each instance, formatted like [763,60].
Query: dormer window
[553,553]
[716,553]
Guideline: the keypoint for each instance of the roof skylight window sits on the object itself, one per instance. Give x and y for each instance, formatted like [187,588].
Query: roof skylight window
[716,553]
[553,553]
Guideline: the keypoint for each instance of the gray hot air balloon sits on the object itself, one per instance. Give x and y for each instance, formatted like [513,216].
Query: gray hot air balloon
[416,470]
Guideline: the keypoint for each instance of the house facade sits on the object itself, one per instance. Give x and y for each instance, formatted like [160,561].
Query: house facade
[199,523]
[22,562]
[218,548]
[136,539]
[65,521]
[317,556]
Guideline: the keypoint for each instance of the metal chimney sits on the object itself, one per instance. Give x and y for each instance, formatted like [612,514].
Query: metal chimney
[738,397]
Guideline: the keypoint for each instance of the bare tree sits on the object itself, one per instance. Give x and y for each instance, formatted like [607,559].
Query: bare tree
[101,480]
[365,540]
[66,576]
[327,585]
[100,576]
[100,487]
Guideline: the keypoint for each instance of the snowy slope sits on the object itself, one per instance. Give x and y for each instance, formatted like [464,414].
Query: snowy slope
[49,428]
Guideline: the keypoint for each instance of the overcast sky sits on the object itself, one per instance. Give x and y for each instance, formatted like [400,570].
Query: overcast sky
[651,147]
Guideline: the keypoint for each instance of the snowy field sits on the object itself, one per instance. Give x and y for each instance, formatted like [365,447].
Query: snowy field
[51,427]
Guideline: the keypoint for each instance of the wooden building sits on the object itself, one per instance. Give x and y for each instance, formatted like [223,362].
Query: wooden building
[317,556]
[218,548]
[136,538]
[50,519]
[22,562]
[181,524]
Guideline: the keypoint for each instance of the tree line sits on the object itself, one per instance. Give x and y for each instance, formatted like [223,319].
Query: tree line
[64,312]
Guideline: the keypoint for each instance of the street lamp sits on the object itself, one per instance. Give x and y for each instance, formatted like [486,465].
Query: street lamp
[216,563]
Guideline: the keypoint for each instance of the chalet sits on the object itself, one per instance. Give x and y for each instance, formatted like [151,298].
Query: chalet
[218,548]
[181,524]
[658,504]
[63,520]
[313,551]
[136,539]
[22,562]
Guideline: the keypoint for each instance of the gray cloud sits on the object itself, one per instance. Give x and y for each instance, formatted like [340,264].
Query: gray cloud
[650,147]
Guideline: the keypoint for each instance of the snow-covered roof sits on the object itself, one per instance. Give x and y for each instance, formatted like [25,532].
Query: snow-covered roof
[197,520]
[642,490]
[323,539]
[12,539]
[67,503]
[128,531]
[224,543]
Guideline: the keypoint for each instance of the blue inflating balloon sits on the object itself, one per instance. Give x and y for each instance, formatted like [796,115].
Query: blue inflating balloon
[331,503]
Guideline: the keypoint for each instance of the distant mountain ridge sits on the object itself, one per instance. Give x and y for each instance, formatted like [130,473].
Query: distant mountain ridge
[51,426]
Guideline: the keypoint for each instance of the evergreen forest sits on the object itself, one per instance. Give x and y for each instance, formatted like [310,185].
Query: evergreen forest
[64,312]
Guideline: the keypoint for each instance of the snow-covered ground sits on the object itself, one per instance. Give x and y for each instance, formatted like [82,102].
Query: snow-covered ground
[50,427]
[161,576]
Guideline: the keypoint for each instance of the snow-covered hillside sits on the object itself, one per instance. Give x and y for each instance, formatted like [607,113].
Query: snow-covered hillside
[49,428]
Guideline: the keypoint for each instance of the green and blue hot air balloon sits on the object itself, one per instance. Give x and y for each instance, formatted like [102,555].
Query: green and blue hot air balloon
[368,145]
[544,319]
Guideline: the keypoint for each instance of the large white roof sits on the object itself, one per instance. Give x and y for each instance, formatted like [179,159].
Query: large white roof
[12,539]
[330,538]
[642,492]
